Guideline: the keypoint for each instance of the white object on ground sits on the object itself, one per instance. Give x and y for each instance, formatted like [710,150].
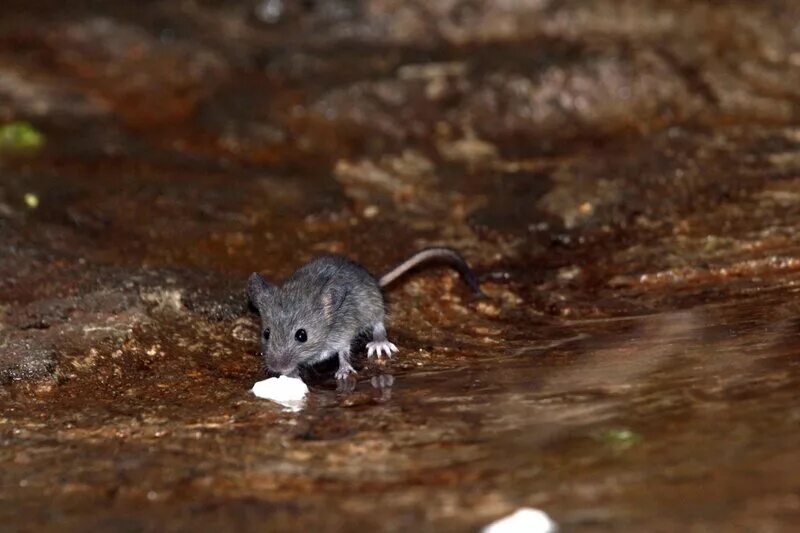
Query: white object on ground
[524,520]
[289,392]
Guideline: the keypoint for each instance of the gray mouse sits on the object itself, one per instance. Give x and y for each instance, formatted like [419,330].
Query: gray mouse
[326,304]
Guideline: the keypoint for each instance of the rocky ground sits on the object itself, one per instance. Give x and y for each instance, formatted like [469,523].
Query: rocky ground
[624,176]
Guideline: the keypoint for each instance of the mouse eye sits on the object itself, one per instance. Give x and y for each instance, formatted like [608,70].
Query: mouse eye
[266,334]
[300,335]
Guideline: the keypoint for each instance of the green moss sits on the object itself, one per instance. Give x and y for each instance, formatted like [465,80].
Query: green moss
[20,136]
[620,438]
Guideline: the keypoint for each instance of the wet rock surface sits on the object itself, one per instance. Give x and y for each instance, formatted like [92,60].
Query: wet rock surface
[623,176]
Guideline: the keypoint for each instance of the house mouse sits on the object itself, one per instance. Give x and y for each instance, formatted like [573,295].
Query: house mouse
[321,308]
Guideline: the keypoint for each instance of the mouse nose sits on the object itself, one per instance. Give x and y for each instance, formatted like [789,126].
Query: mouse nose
[283,370]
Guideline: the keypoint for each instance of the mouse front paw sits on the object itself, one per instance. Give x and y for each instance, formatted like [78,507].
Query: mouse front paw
[345,371]
[377,348]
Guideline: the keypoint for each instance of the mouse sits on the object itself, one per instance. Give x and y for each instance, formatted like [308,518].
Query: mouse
[318,311]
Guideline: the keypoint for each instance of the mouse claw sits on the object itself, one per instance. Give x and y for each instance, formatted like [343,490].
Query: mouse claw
[344,372]
[380,349]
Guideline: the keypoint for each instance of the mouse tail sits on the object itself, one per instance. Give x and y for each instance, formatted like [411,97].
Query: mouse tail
[434,255]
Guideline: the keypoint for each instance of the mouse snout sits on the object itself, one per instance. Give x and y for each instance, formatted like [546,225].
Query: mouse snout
[282,366]
[289,371]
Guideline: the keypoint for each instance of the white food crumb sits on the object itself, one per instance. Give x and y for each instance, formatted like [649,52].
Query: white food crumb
[289,392]
[524,520]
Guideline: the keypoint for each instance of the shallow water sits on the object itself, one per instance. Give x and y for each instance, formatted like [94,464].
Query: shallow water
[623,178]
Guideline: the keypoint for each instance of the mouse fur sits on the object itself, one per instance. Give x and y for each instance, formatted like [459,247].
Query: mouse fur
[327,303]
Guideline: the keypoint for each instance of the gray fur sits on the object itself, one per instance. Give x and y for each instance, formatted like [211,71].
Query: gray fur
[334,300]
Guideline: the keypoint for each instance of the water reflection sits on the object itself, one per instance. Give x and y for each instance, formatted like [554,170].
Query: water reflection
[383,384]
[346,385]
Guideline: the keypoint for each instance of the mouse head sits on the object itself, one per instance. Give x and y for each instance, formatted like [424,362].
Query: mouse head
[295,322]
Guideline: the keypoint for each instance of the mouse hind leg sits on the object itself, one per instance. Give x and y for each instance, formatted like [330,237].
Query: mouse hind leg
[380,343]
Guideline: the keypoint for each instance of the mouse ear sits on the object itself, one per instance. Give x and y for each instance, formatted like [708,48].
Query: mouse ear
[333,297]
[259,290]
